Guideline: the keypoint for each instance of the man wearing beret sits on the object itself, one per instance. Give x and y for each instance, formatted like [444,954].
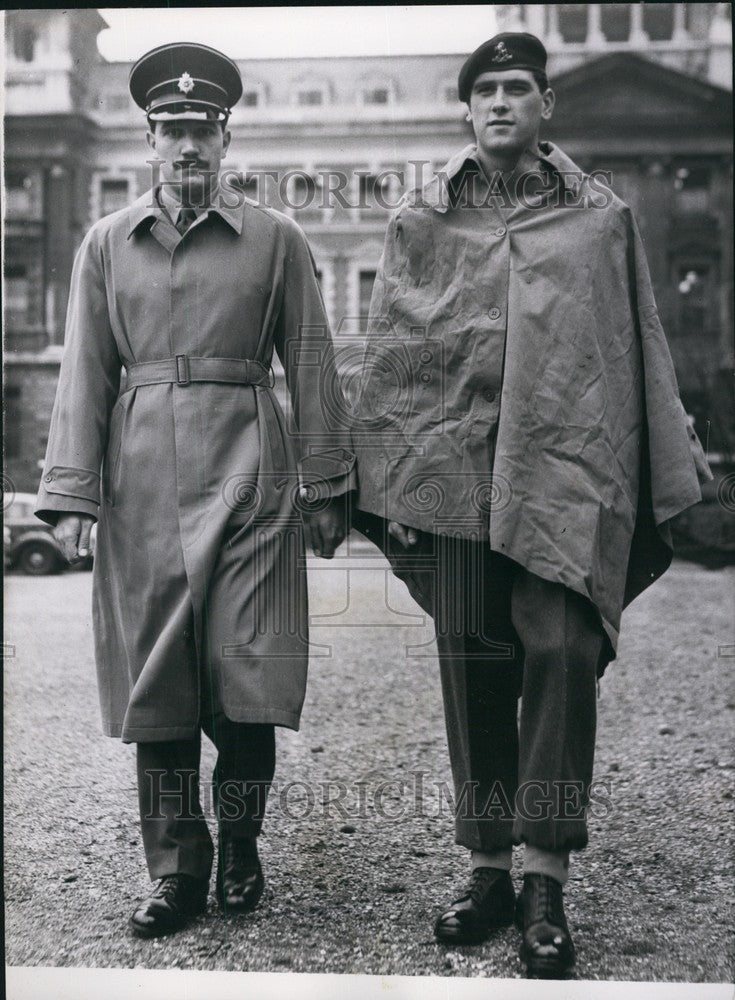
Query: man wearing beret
[200,615]
[521,447]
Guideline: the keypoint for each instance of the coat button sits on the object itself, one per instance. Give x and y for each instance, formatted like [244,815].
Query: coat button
[48,478]
[425,377]
[494,313]
[501,231]
[489,395]
[425,357]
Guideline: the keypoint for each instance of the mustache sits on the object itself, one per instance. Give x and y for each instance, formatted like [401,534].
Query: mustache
[191,164]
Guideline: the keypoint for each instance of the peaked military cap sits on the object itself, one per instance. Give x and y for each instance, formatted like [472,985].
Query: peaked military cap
[508,50]
[185,80]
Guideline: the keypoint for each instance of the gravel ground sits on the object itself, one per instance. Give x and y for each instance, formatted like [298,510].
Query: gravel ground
[358,849]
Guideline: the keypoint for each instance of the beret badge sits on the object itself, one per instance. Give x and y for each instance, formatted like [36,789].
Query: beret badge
[501,54]
[185,84]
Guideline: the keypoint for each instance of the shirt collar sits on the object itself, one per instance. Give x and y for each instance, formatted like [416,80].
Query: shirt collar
[437,195]
[148,208]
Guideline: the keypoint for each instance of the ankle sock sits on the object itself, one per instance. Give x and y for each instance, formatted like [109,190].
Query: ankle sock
[502,859]
[539,862]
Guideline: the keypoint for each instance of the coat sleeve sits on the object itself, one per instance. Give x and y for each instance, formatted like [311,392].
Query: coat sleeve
[304,345]
[88,385]
[677,461]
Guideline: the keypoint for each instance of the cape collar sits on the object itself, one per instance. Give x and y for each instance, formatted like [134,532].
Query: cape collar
[436,193]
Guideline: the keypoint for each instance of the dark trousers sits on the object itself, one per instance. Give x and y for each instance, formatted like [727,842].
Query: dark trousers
[175,833]
[504,633]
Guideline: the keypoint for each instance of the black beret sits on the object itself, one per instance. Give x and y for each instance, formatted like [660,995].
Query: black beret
[185,78]
[508,50]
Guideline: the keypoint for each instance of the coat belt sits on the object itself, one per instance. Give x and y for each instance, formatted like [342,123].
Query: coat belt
[182,370]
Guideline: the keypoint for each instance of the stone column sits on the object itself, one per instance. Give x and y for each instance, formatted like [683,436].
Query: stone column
[595,38]
[553,35]
[720,48]
[58,249]
[722,198]
[637,35]
[680,33]
[535,19]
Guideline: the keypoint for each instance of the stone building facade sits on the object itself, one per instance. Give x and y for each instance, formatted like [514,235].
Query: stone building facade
[643,90]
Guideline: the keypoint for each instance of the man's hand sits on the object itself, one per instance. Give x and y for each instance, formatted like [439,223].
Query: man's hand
[326,529]
[406,536]
[72,533]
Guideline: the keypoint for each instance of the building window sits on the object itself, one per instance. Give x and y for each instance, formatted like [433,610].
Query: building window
[376,95]
[111,193]
[253,94]
[25,38]
[309,98]
[448,93]
[374,190]
[311,92]
[23,285]
[377,92]
[365,292]
[12,422]
[572,21]
[658,21]
[242,184]
[694,301]
[23,201]
[615,21]
[691,190]
[118,102]
[114,194]
[302,192]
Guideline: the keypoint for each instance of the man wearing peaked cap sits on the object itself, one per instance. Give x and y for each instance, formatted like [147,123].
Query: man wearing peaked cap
[185,78]
[519,501]
[197,483]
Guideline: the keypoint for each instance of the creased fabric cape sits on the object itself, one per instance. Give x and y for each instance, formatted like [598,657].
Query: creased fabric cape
[199,578]
[574,464]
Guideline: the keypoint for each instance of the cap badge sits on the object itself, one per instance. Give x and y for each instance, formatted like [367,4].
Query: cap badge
[501,54]
[186,84]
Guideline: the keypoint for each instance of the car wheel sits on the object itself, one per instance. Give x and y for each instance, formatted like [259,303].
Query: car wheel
[37,559]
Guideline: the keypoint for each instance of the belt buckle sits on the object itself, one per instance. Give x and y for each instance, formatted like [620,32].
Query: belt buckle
[183,374]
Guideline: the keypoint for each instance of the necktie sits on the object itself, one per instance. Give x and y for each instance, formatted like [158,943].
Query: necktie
[185,219]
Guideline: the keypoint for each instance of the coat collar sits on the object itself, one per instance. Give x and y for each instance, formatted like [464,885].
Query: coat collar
[436,193]
[147,208]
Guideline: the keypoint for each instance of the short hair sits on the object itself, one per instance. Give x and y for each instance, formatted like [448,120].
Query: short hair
[204,121]
[542,80]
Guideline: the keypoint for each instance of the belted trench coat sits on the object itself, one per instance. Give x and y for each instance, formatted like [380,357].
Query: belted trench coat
[517,386]
[199,579]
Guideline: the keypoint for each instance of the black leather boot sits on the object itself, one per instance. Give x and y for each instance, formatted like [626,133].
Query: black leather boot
[547,948]
[240,879]
[172,904]
[486,905]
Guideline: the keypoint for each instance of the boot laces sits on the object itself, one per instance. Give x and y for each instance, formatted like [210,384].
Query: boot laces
[480,881]
[546,902]
[168,886]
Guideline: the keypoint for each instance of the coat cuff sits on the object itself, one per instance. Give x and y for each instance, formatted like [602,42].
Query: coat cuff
[67,490]
[327,474]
